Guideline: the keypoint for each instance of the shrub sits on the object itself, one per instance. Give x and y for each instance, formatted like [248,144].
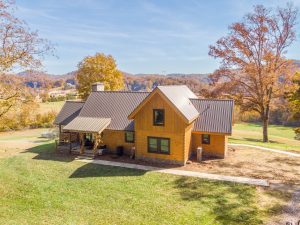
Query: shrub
[43,120]
[57,99]
[297,131]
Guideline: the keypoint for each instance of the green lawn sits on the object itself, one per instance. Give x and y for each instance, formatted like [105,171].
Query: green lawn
[280,137]
[41,187]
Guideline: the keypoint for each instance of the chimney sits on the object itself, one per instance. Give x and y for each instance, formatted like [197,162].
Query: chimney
[98,86]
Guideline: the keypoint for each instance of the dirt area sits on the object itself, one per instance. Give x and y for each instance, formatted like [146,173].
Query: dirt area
[10,148]
[14,142]
[29,133]
[251,162]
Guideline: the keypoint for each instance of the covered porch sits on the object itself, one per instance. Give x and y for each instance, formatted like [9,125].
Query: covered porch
[84,135]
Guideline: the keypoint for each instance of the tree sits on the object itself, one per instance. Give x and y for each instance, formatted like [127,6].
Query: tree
[9,97]
[253,65]
[98,68]
[19,48]
[13,94]
[294,98]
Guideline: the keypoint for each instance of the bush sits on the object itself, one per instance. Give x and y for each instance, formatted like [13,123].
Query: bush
[297,131]
[43,120]
[71,96]
[57,99]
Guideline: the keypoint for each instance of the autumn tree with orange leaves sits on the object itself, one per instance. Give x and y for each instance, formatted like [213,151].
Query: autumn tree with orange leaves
[98,68]
[253,68]
[19,48]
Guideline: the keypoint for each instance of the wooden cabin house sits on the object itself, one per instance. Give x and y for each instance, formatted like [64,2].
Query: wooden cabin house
[165,125]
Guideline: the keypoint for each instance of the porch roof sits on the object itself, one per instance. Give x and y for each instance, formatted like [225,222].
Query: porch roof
[87,124]
[69,111]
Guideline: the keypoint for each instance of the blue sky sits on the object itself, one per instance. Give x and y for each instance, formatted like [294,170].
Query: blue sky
[144,36]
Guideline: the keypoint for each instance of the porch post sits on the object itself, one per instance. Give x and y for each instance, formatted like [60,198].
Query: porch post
[81,143]
[59,138]
[70,143]
[96,143]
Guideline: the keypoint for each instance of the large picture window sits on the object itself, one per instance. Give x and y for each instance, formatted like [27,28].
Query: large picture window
[205,139]
[159,145]
[158,117]
[129,137]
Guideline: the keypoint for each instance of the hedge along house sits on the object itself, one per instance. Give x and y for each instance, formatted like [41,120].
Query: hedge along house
[165,125]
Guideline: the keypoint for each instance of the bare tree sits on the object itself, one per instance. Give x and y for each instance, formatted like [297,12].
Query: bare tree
[19,48]
[253,64]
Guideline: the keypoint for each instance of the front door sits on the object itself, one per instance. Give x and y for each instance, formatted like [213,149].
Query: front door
[88,140]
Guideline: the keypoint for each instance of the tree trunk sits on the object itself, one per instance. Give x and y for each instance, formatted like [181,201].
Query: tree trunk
[265,129]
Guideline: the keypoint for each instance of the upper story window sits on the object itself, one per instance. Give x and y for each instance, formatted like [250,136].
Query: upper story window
[206,139]
[158,117]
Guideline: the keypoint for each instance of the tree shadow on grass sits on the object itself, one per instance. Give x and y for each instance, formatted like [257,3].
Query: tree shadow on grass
[41,141]
[257,140]
[47,152]
[260,140]
[230,203]
[286,160]
[94,170]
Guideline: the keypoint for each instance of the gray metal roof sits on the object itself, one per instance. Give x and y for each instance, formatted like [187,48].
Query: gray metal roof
[116,105]
[69,111]
[180,95]
[211,115]
[215,115]
[87,124]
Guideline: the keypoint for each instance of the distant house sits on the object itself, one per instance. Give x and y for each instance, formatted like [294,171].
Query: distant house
[167,124]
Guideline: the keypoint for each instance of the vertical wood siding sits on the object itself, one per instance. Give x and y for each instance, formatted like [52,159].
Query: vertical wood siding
[175,129]
[114,138]
[217,146]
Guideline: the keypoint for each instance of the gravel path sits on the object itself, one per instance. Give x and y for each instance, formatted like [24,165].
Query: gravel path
[291,212]
[209,176]
[268,149]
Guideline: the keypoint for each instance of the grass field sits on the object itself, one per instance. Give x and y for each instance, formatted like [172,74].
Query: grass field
[41,187]
[50,106]
[280,137]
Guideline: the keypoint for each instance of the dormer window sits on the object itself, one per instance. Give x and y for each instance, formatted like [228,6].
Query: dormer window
[158,117]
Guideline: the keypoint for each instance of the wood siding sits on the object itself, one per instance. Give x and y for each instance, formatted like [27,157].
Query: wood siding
[175,129]
[217,146]
[114,138]
[188,141]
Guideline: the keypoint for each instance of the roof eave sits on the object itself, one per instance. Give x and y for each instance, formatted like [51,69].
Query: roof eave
[211,132]
[138,108]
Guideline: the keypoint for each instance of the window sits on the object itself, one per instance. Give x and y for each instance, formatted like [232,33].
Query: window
[158,117]
[206,139]
[159,145]
[129,137]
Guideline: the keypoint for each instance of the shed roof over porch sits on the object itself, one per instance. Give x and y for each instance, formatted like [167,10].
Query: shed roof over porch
[87,124]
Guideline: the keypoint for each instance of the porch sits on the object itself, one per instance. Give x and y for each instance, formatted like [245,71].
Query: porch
[71,143]
[82,136]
